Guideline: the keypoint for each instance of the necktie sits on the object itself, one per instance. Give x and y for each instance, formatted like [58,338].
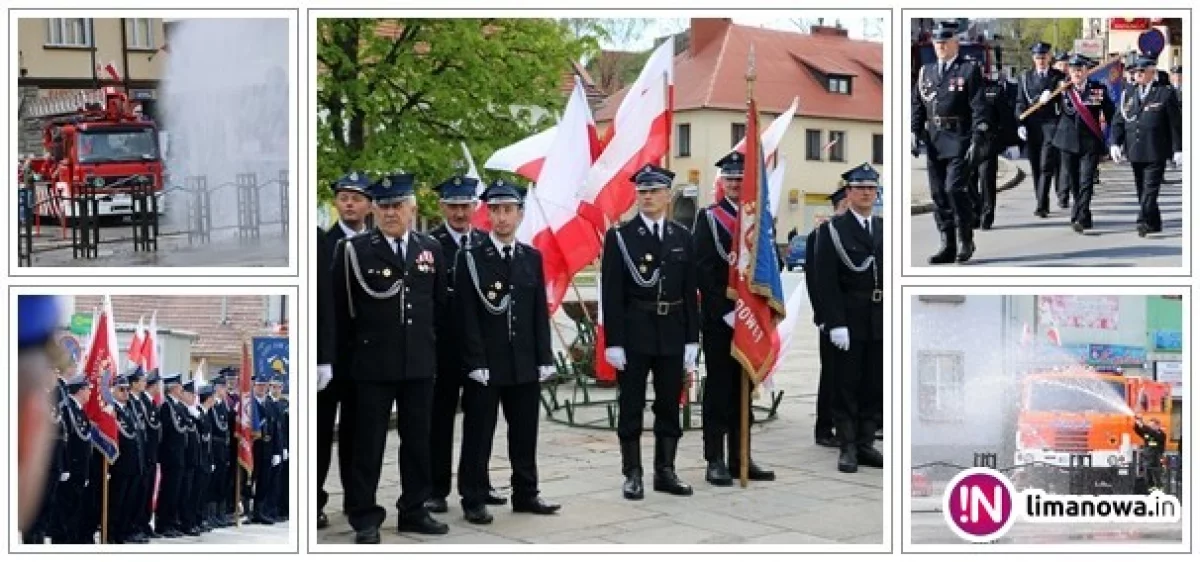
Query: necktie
[867,225]
[508,254]
[656,231]
[462,241]
[1142,96]
[942,69]
[399,249]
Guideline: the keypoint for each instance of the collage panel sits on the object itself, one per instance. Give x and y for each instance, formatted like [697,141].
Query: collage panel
[165,141]
[644,406]
[1049,139]
[158,419]
[1047,419]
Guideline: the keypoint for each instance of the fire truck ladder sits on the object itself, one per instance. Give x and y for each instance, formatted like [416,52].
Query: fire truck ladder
[64,105]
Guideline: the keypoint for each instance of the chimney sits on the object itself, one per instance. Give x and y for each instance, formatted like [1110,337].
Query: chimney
[826,31]
[706,31]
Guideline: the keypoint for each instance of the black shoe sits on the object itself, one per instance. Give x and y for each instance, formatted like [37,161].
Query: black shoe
[946,253]
[755,473]
[192,532]
[870,456]
[848,460]
[1064,204]
[262,520]
[322,520]
[536,506]
[633,489]
[367,536]
[422,524]
[1077,227]
[717,474]
[1142,230]
[665,479]
[826,439]
[879,435]
[631,467]
[436,505]
[966,245]
[1041,214]
[478,515]
[495,499]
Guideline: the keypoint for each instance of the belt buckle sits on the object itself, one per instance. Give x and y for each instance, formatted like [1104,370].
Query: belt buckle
[664,308]
[877,295]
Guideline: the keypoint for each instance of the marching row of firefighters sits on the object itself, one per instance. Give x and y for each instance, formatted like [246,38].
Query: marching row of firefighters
[388,294]
[176,465]
[965,120]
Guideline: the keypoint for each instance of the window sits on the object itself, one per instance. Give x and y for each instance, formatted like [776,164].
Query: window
[683,140]
[139,33]
[941,389]
[275,312]
[737,132]
[69,32]
[837,146]
[839,85]
[812,144]
[877,149]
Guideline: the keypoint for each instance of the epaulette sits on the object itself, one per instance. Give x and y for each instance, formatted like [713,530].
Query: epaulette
[677,224]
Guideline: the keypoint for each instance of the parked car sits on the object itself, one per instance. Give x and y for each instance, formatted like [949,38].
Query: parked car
[795,253]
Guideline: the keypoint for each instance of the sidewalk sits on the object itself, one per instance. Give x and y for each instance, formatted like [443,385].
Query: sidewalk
[1009,174]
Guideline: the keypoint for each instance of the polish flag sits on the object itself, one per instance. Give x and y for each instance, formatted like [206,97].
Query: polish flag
[135,344]
[639,133]
[787,328]
[479,219]
[772,137]
[552,223]
[603,371]
[526,157]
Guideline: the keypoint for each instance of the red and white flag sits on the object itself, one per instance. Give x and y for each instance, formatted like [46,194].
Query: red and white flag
[603,371]
[526,157]
[100,366]
[135,343]
[639,133]
[772,137]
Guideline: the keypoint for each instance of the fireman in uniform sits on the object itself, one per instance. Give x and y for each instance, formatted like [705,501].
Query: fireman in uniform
[40,446]
[849,291]
[267,451]
[998,95]
[125,473]
[949,115]
[140,384]
[827,383]
[280,508]
[1037,130]
[722,402]
[1079,138]
[218,418]
[193,458]
[652,324]
[1148,131]
[74,484]
[1156,440]
[456,235]
[500,294]
[172,456]
[353,200]
[389,294]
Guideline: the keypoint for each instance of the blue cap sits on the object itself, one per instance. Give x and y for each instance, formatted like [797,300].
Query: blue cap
[732,165]
[1040,48]
[945,31]
[121,381]
[356,182]
[262,378]
[173,378]
[861,175]
[37,319]
[458,189]
[136,375]
[153,378]
[205,391]
[1145,60]
[837,196]
[218,380]
[1077,60]
[1062,56]
[277,380]
[190,386]
[651,177]
[500,192]
[393,188]
[77,383]
[230,372]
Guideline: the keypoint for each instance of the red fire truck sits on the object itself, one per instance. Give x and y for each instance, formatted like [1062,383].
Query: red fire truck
[98,139]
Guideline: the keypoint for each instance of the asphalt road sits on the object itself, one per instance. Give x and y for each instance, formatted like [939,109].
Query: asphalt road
[52,249]
[1019,239]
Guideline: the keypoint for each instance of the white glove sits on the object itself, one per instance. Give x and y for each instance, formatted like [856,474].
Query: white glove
[545,372]
[615,356]
[275,460]
[64,477]
[324,375]
[1012,153]
[1115,152]
[1178,159]
[1045,97]
[479,375]
[840,337]
[212,467]
[729,319]
[1021,132]
[690,352]
[285,454]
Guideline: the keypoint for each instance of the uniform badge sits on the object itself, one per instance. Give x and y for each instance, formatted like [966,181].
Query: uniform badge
[353,176]
[499,285]
[648,257]
[387,272]
[491,295]
[387,182]
[642,269]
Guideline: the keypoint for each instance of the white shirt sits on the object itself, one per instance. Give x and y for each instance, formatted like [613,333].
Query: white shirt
[501,245]
[651,223]
[865,222]
[399,245]
[456,235]
[349,231]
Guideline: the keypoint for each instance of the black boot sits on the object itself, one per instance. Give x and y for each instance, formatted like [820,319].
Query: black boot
[631,467]
[848,459]
[945,254]
[716,473]
[966,244]
[665,479]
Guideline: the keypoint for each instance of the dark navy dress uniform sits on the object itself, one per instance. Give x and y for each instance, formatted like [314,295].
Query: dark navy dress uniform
[1039,126]
[452,373]
[388,303]
[722,402]
[192,459]
[950,114]
[1080,145]
[154,433]
[1149,126]
[998,95]
[500,294]
[278,507]
[823,430]
[126,471]
[43,522]
[849,293]
[172,457]
[268,452]
[339,393]
[222,434]
[651,314]
[71,494]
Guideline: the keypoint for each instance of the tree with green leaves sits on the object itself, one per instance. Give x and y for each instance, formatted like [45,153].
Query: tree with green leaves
[1020,34]
[402,94]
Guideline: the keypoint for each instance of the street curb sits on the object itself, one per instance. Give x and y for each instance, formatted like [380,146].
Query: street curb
[928,206]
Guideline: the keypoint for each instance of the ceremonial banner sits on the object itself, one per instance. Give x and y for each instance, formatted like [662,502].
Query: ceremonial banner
[271,356]
[246,413]
[100,367]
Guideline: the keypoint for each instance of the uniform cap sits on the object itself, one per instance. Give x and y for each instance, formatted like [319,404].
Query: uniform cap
[356,182]
[500,192]
[458,189]
[733,165]
[393,188]
[651,177]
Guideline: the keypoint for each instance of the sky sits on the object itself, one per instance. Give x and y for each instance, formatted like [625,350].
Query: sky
[857,26]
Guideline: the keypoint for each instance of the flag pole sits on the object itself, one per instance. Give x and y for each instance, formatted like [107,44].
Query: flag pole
[744,442]
[237,486]
[104,505]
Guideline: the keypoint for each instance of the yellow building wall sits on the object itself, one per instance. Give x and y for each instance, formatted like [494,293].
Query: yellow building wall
[57,62]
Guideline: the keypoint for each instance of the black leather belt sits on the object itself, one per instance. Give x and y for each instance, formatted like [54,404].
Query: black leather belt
[945,122]
[875,295]
[660,308]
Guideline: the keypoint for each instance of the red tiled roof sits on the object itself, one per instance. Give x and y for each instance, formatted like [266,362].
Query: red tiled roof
[193,313]
[715,76]
[825,65]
